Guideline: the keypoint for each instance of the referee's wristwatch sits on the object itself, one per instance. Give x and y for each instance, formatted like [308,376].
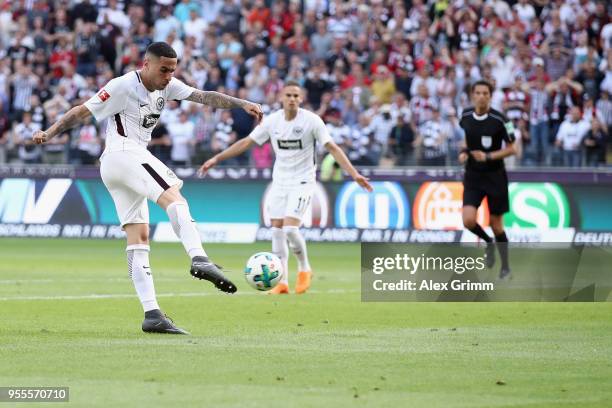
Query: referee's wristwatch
[488,156]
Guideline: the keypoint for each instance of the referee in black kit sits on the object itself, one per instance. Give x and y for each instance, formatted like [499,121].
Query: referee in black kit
[485,174]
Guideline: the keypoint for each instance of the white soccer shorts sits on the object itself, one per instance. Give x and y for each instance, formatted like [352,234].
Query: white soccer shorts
[132,176]
[283,201]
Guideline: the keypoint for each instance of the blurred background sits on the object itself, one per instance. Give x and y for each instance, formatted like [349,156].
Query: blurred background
[390,78]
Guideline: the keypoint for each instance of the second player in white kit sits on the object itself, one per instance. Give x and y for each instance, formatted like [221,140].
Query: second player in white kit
[132,105]
[294,143]
[294,134]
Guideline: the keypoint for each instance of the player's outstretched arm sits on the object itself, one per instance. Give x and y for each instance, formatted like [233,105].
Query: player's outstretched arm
[234,150]
[222,101]
[347,166]
[72,118]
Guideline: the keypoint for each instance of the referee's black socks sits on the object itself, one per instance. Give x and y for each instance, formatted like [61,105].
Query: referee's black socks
[502,239]
[477,229]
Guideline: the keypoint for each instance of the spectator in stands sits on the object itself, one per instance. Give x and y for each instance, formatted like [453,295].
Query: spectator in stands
[183,10]
[229,16]
[456,135]
[88,143]
[181,136]
[422,106]
[85,11]
[242,125]
[539,123]
[27,151]
[4,134]
[195,26]
[590,78]
[165,24]
[224,134]
[227,50]
[22,85]
[383,86]
[160,144]
[604,109]
[114,15]
[333,48]
[87,47]
[316,84]
[402,142]
[338,130]
[594,143]
[570,137]
[380,127]
[256,80]
[432,138]
[55,151]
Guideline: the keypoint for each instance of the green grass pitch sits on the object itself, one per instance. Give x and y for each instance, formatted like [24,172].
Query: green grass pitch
[69,317]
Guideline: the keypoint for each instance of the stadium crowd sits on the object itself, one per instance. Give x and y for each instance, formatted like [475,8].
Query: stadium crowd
[390,78]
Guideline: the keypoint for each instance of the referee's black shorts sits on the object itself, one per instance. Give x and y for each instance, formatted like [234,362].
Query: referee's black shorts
[491,184]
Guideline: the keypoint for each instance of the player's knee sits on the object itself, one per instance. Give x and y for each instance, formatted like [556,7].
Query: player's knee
[277,223]
[171,196]
[279,247]
[497,226]
[137,234]
[293,235]
[469,222]
[143,235]
[290,230]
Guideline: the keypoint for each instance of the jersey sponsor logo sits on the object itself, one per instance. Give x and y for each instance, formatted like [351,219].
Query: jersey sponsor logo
[486,141]
[150,120]
[317,214]
[290,144]
[439,206]
[103,95]
[385,207]
[537,205]
[159,104]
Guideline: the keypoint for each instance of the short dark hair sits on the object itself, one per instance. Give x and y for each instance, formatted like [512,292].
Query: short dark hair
[483,83]
[161,49]
[292,83]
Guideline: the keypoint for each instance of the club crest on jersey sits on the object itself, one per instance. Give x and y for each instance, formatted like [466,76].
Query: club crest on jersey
[297,131]
[290,144]
[103,95]
[160,103]
[150,120]
[486,141]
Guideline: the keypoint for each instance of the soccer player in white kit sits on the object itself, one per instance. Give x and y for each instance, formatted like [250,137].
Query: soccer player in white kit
[133,103]
[293,133]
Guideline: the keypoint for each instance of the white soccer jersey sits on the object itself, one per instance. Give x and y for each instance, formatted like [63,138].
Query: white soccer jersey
[294,144]
[132,110]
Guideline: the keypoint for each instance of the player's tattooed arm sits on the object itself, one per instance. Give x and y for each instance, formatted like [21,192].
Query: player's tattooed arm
[216,99]
[72,118]
[219,100]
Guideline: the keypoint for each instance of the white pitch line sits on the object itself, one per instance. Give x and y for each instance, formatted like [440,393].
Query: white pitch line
[101,279]
[185,294]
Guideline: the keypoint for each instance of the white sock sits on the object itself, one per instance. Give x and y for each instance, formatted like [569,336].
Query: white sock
[140,271]
[298,246]
[185,228]
[280,249]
